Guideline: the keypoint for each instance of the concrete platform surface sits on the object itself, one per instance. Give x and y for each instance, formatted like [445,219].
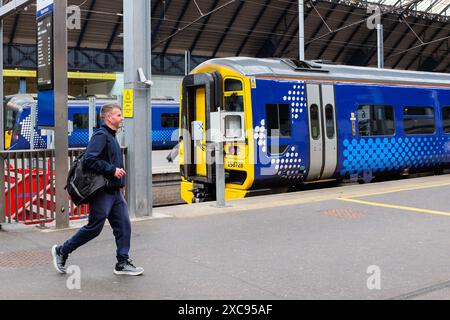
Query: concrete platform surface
[388,240]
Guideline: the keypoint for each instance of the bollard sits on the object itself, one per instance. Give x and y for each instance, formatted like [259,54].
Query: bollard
[220,176]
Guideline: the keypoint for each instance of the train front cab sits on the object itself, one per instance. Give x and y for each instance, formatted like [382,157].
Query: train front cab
[203,94]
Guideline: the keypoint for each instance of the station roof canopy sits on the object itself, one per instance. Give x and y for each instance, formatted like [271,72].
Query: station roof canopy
[416,32]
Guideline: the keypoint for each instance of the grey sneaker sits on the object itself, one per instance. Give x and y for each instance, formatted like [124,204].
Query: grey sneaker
[128,269]
[59,260]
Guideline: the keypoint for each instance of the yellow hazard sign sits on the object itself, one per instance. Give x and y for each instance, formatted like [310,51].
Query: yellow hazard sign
[128,103]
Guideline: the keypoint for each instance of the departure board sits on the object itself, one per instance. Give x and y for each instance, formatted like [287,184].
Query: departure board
[45,52]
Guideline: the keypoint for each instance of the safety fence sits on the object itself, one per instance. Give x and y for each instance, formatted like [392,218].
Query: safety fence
[29,194]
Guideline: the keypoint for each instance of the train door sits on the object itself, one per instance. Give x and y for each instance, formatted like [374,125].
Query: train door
[202,95]
[322,131]
[199,125]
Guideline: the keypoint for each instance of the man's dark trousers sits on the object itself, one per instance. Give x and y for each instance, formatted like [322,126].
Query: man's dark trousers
[109,205]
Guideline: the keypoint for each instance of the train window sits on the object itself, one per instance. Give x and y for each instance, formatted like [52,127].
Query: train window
[446,118]
[10,119]
[329,121]
[315,123]
[376,120]
[80,121]
[234,103]
[169,120]
[278,120]
[233,85]
[418,111]
[419,120]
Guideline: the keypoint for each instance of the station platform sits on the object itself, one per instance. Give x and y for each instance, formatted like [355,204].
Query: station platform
[160,165]
[326,243]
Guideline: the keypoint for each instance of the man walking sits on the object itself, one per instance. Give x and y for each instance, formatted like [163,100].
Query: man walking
[103,156]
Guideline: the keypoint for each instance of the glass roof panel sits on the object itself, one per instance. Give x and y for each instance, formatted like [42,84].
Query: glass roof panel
[441,7]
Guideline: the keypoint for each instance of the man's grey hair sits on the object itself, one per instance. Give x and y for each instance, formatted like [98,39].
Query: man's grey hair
[107,109]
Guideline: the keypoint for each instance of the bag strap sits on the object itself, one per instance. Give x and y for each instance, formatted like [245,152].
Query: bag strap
[109,144]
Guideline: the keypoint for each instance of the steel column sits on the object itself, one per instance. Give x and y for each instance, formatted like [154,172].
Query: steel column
[301,30]
[380,46]
[137,49]
[61,113]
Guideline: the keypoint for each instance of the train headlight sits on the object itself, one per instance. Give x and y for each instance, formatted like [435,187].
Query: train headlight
[234,150]
[233,127]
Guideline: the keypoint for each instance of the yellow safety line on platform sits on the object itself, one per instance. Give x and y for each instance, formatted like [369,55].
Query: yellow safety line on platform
[70,75]
[391,206]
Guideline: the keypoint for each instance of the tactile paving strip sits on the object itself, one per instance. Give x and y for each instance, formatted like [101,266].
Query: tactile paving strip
[343,213]
[25,259]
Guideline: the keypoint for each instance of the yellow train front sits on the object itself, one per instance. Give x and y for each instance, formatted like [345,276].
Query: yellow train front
[285,122]
[207,90]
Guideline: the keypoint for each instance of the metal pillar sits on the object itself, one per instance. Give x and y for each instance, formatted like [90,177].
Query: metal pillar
[301,30]
[220,176]
[137,49]
[61,113]
[92,116]
[23,85]
[380,46]
[33,125]
[187,62]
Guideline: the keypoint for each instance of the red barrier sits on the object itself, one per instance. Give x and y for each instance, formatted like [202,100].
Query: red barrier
[26,200]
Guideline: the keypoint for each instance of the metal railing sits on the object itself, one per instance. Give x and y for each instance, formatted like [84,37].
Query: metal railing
[28,195]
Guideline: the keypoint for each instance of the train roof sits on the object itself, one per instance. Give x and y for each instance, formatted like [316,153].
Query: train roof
[288,68]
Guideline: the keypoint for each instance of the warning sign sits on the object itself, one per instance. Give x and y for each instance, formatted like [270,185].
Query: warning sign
[128,103]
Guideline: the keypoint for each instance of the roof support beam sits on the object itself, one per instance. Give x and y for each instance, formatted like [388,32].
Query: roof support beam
[425,28]
[14,28]
[255,23]
[175,28]
[86,22]
[156,29]
[230,24]
[386,38]
[349,39]
[341,24]
[445,9]
[294,35]
[268,45]
[13,6]
[439,48]
[155,5]
[359,51]
[115,31]
[329,12]
[425,45]
[392,49]
[205,22]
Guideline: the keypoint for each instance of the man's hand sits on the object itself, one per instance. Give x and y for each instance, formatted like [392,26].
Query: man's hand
[120,173]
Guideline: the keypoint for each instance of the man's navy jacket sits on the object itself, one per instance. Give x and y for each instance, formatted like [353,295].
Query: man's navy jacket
[103,155]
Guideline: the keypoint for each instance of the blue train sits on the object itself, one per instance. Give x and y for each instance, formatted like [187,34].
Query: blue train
[17,123]
[286,122]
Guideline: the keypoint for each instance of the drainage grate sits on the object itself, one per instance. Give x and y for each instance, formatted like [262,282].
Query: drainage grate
[343,213]
[24,259]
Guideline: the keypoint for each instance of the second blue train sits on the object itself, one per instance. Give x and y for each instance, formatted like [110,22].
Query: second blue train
[18,123]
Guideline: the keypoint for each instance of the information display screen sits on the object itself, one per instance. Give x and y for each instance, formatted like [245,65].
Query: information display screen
[45,52]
